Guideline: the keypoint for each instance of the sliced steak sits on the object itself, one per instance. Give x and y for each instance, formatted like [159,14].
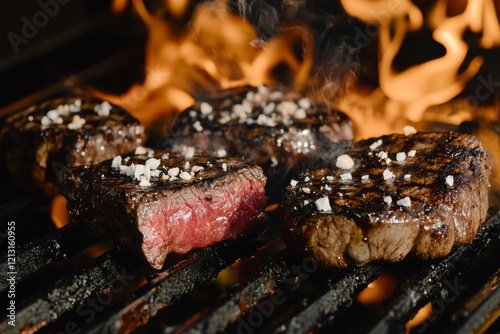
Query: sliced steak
[388,197]
[45,138]
[161,202]
[282,132]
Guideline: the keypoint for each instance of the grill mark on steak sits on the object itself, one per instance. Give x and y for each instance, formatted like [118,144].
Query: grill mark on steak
[280,131]
[81,132]
[220,201]
[361,227]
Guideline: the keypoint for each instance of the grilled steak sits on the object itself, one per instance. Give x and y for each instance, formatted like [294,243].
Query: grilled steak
[388,197]
[160,202]
[43,139]
[281,132]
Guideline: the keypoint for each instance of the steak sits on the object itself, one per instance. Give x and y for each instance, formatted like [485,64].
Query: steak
[39,142]
[158,202]
[280,131]
[388,197]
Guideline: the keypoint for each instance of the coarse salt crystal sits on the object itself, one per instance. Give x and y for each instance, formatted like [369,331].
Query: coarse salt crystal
[407,176]
[365,177]
[46,121]
[123,169]
[409,130]
[404,202]
[388,161]
[130,170]
[153,163]
[144,183]
[329,178]
[116,162]
[388,174]
[401,156]
[173,171]
[306,202]
[221,153]
[376,144]
[139,169]
[206,108]
[53,114]
[140,150]
[306,190]
[197,168]
[323,204]
[412,153]
[304,103]
[449,180]
[388,200]
[185,175]
[382,155]
[346,176]
[327,187]
[197,126]
[344,162]
[188,152]
[300,114]
[293,183]
[224,167]
[307,179]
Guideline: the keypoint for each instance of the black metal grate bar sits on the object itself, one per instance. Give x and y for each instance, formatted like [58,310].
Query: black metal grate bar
[433,279]
[248,294]
[73,289]
[51,248]
[169,286]
[341,294]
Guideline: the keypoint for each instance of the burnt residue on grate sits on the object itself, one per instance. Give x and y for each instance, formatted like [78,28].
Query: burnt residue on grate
[49,249]
[167,287]
[69,292]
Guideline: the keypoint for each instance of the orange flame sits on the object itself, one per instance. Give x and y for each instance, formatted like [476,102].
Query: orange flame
[58,212]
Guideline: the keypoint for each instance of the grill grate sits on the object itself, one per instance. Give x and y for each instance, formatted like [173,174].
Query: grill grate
[116,292]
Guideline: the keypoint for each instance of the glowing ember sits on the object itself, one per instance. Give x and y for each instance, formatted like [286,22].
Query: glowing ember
[419,318]
[378,290]
[58,212]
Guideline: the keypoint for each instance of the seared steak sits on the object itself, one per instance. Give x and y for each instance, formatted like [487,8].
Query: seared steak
[160,202]
[388,197]
[39,142]
[281,132]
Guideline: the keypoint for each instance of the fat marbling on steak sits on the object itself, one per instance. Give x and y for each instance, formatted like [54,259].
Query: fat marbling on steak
[160,202]
[40,141]
[388,197]
[283,132]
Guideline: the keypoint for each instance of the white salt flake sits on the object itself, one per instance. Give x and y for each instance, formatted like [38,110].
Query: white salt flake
[130,170]
[221,153]
[197,168]
[185,175]
[412,153]
[140,150]
[224,167]
[53,114]
[449,180]
[197,126]
[346,176]
[155,173]
[306,190]
[139,170]
[206,108]
[293,183]
[388,200]
[173,171]
[329,178]
[401,156]
[300,114]
[116,162]
[407,176]
[344,162]
[323,204]
[409,130]
[382,155]
[388,161]
[388,174]
[404,202]
[144,183]
[304,103]
[46,121]
[365,177]
[376,144]
[153,163]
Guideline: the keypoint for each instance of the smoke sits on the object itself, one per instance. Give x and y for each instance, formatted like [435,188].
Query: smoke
[335,54]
